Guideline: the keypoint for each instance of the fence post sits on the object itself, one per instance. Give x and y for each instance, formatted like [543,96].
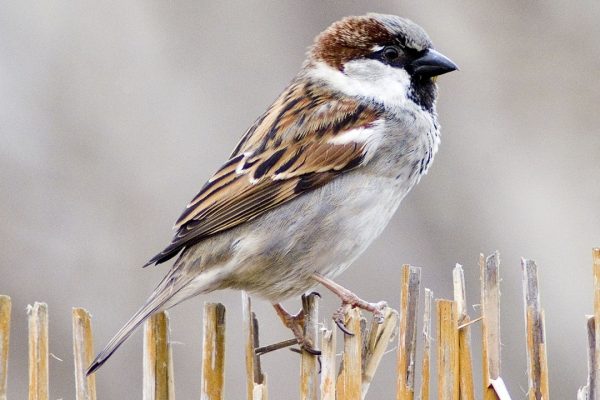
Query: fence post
[5,310]
[309,368]
[213,352]
[465,362]
[83,353]
[328,363]
[426,362]
[38,351]
[349,380]
[448,374]
[256,381]
[537,367]
[158,363]
[407,335]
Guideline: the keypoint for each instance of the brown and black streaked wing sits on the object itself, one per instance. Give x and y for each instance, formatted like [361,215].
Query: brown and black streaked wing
[286,153]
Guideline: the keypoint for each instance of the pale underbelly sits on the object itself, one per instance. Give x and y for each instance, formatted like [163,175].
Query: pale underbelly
[323,231]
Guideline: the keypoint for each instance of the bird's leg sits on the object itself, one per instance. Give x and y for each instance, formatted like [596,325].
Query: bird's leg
[295,322]
[349,299]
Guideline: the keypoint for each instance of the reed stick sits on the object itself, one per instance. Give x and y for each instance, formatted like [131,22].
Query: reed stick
[588,392]
[378,339]
[426,362]
[83,353]
[465,361]
[5,311]
[328,363]
[38,351]
[349,380]
[493,385]
[255,379]
[447,340]
[537,367]
[260,390]
[309,369]
[595,389]
[158,381]
[407,334]
[213,351]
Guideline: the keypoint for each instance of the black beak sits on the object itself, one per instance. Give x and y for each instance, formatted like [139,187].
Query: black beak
[430,63]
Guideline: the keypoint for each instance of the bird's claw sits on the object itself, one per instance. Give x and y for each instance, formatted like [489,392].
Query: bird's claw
[378,311]
[375,308]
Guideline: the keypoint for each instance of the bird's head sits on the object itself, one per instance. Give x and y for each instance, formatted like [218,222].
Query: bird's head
[380,53]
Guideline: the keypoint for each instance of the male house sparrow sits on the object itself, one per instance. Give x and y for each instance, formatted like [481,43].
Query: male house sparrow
[316,178]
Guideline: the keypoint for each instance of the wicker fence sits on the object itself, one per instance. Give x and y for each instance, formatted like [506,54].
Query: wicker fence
[330,376]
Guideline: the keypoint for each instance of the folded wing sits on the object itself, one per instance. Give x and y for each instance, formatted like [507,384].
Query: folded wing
[305,139]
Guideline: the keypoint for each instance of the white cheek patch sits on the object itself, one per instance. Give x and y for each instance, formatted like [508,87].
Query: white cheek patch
[369,79]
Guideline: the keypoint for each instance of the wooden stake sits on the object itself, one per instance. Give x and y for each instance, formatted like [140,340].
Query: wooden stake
[213,351]
[158,365]
[407,335]
[38,351]
[537,368]
[379,337]
[5,311]
[448,375]
[425,366]
[493,385]
[588,392]
[349,380]
[466,386]
[83,353]
[255,379]
[309,368]
[596,381]
[328,364]
[260,390]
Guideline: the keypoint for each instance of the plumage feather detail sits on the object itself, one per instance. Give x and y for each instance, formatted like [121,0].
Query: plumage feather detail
[304,140]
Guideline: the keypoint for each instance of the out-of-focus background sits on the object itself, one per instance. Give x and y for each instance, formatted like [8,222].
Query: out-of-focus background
[113,114]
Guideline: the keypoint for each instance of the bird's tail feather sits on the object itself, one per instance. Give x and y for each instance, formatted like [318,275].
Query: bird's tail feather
[173,289]
[151,307]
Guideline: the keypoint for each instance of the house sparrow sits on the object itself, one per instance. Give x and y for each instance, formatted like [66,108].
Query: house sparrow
[316,178]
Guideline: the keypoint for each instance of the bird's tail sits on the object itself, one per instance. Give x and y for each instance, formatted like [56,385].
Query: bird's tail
[173,289]
[151,307]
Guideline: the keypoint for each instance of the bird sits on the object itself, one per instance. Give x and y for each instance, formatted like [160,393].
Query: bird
[315,179]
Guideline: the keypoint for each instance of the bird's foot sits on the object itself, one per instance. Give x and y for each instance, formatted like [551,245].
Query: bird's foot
[295,322]
[350,300]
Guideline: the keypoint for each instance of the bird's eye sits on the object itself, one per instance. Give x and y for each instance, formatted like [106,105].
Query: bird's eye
[391,53]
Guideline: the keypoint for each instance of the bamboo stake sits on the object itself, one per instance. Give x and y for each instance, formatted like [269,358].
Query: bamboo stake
[379,337]
[83,353]
[493,385]
[537,368]
[448,375]
[260,390]
[465,362]
[158,365]
[5,311]
[588,392]
[596,381]
[38,351]
[309,366]
[425,366]
[328,364]
[407,336]
[255,380]
[213,352]
[348,386]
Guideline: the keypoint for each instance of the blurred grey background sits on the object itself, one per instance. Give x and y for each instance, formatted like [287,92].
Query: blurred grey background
[113,114]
